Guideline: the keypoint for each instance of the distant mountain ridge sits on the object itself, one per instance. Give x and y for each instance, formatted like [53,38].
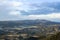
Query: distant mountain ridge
[26,23]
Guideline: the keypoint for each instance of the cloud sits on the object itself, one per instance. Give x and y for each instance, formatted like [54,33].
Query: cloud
[15,13]
[43,8]
[24,9]
[52,17]
[15,4]
[28,8]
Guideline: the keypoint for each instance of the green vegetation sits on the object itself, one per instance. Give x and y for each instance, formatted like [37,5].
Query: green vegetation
[53,37]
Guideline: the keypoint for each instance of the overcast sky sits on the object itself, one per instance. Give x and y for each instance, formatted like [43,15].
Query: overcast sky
[30,9]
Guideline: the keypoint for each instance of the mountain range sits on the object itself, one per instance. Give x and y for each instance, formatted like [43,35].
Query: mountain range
[26,23]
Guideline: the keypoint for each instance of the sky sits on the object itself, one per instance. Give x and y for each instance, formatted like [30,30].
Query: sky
[30,10]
